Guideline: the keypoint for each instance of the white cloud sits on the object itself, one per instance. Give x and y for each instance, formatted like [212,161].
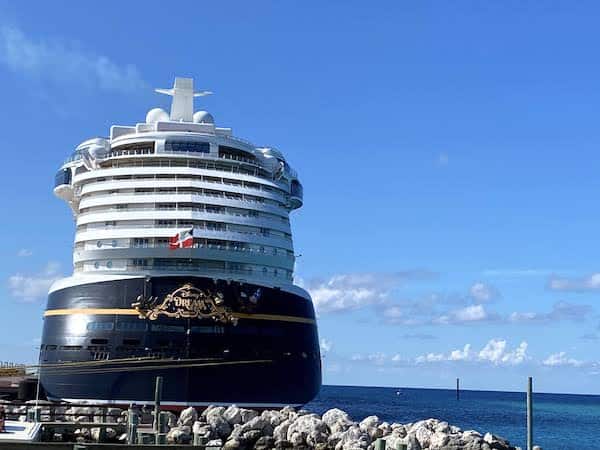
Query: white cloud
[442,159]
[468,314]
[63,62]
[32,287]
[24,252]
[463,354]
[377,358]
[496,352]
[589,283]
[561,359]
[482,292]
[430,357]
[516,273]
[326,346]
[347,292]
[560,311]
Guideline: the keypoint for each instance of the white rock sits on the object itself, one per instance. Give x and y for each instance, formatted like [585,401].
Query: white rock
[393,440]
[423,435]
[247,414]
[187,417]
[442,427]
[305,425]
[385,428]
[273,417]
[202,429]
[337,420]
[179,435]
[233,415]
[369,422]
[280,432]
[333,415]
[353,438]
[438,440]
[219,425]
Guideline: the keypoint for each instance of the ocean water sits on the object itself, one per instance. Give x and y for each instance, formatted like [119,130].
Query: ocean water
[561,421]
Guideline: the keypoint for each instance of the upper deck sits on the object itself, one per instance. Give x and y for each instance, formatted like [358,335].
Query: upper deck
[130,192]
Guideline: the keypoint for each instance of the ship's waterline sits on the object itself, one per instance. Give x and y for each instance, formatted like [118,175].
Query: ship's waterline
[183,268]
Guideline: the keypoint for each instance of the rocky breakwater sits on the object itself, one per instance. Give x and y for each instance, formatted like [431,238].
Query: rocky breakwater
[239,428]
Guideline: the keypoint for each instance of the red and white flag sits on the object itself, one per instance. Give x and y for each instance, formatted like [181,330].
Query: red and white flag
[183,239]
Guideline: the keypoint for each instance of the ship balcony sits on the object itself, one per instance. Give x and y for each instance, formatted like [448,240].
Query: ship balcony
[182,197]
[183,213]
[205,252]
[278,277]
[166,231]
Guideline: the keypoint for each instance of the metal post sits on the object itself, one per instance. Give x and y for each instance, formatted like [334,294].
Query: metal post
[157,398]
[529,414]
[132,423]
[458,389]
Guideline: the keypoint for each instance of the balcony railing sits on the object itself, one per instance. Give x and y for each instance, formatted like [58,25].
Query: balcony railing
[176,228]
[230,248]
[113,210]
[280,276]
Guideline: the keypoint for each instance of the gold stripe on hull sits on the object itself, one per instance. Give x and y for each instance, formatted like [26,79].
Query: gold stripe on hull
[133,312]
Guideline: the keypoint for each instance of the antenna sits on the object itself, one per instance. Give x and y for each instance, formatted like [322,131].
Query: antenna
[182,106]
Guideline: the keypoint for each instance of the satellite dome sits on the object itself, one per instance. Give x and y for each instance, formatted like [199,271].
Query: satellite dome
[157,115]
[203,117]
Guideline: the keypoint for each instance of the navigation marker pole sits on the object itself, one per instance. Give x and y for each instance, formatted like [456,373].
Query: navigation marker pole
[458,389]
[530,413]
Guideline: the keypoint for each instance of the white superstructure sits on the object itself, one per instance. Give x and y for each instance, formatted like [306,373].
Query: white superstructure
[134,190]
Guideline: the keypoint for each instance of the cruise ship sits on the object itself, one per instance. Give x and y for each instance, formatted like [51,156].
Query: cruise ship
[182,268]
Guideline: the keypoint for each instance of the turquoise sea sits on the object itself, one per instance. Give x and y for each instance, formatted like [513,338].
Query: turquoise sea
[561,421]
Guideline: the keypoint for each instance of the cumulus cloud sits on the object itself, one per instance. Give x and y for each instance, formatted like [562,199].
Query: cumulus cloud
[468,314]
[24,252]
[63,62]
[560,311]
[32,287]
[483,292]
[497,352]
[561,359]
[463,354]
[588,283]
[347,292]
[377,358]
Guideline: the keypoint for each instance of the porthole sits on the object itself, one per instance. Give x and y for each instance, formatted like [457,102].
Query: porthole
[99,244]
[96,265]
[109,264]
[114,243]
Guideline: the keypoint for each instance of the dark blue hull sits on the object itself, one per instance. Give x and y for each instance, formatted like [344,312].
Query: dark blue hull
[262,352]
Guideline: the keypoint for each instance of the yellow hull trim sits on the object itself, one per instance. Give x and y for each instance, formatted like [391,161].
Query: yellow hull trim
[133,312]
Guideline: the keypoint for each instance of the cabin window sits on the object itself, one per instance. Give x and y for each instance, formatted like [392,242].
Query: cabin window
[100,326]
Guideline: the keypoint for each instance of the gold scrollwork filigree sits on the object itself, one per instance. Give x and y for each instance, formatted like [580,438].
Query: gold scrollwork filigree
[186,302]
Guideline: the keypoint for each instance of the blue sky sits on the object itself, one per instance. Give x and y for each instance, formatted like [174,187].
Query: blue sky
[448,152]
